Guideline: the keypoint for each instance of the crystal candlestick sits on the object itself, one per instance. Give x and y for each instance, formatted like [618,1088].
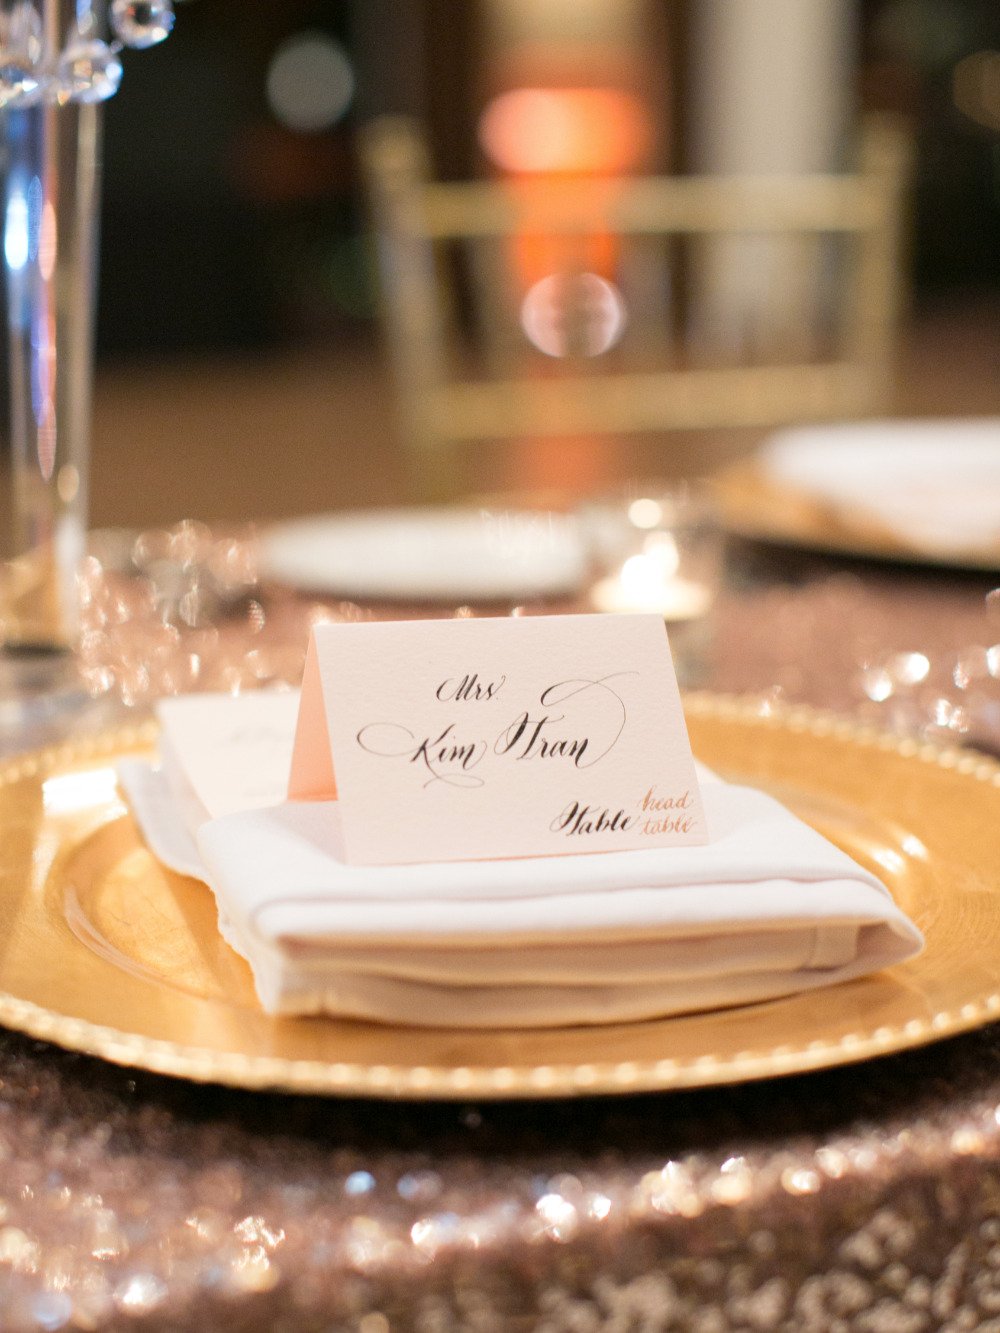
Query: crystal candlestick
[58,63]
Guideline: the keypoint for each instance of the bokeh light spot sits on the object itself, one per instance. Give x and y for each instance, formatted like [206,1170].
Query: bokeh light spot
[579,314]
[310,82]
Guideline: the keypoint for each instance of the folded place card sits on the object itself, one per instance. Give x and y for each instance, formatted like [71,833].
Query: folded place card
[480,739]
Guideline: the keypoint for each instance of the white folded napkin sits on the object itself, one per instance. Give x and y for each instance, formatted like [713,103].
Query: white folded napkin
[768,907]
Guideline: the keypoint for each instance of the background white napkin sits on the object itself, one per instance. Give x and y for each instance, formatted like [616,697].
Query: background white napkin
[935,484]
[767,908]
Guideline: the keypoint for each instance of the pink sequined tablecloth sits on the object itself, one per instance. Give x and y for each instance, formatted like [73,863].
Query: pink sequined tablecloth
[861,1199]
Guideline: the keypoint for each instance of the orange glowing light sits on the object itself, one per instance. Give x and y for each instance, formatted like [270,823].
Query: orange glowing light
[586,131]
[47,241]
[536,252]
[585,464]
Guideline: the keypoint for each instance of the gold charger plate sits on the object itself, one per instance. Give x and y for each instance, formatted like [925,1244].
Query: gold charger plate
[757,507]
[104,951]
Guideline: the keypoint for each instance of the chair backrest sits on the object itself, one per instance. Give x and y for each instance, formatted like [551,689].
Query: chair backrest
[416,218]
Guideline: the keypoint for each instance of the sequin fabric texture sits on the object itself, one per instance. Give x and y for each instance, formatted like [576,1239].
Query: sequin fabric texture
[866,1198]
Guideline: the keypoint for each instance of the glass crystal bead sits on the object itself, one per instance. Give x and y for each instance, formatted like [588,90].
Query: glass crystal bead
[21,34]
[21,84]
[89,71]
[142,23]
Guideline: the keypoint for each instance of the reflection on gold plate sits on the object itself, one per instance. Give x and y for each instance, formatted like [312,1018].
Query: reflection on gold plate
[104,951]
[757,507]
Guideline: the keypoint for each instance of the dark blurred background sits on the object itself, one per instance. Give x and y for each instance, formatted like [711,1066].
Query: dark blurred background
[233,213]
[241,366]
[232,201]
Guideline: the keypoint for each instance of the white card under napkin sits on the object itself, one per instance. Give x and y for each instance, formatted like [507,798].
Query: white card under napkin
[224,752]
[767,908]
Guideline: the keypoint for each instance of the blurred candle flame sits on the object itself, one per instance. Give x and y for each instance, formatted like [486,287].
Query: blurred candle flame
[574,131]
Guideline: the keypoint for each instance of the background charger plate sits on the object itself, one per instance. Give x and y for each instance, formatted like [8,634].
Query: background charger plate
[105,952]
[875,489]
[428,555]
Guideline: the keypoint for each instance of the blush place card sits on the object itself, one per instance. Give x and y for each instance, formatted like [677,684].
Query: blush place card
[482,739]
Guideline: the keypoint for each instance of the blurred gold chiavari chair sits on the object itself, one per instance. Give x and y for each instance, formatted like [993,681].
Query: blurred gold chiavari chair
[443,403]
